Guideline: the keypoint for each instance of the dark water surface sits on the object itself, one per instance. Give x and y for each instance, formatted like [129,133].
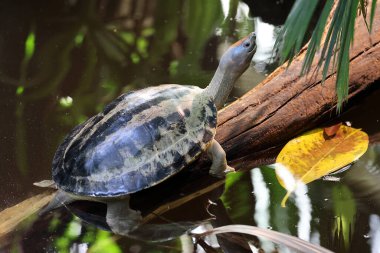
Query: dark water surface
[63,61]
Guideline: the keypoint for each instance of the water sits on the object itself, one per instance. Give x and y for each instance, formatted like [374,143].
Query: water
[62,61]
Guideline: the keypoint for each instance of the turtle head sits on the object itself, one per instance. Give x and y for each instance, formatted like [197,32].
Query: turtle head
[238,56]
[232,64]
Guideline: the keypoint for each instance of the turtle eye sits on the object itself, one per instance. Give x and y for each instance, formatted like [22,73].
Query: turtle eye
[246,44]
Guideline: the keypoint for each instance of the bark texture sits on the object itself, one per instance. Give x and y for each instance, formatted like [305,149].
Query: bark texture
[286,104]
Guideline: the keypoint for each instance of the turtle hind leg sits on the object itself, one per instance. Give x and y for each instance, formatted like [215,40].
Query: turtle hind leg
[121,218]
[61,198]
[219,165]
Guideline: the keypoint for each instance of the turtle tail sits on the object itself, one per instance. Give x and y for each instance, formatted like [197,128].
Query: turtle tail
[60,199]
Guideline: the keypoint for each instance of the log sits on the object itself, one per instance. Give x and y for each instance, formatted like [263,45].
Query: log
[285,104]
[12,216]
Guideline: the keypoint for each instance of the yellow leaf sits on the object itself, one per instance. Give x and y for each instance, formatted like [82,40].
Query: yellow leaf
[311,156]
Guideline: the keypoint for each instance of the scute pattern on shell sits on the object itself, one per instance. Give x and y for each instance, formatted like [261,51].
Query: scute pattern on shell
[139,140]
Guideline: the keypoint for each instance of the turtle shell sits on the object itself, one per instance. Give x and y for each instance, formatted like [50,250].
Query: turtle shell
[139,140]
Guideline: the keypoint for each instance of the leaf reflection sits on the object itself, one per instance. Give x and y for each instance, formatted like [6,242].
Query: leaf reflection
[345,211]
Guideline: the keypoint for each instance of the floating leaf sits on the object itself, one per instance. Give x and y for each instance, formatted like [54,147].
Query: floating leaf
[311,156]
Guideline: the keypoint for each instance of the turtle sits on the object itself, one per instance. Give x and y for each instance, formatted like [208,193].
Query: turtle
[144,137]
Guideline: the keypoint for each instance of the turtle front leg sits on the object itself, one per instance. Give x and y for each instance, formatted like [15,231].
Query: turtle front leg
[219,165]
[121,218]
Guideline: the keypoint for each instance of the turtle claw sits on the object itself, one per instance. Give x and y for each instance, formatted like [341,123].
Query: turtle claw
[229,169]
[223,173]
[46,184]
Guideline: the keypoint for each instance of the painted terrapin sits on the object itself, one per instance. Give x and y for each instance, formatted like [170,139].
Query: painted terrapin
[143,137]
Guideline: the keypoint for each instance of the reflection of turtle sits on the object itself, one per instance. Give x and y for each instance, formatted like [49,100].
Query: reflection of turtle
[144,137]
[93,213]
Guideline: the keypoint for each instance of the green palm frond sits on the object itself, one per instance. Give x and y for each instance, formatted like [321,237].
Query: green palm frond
[336,45]
[293,33]
[373,7]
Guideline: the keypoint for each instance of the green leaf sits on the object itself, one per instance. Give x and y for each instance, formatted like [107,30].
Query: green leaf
[173,68]
[135,58]
[339,37]
[147,32]
[331,38]
[316,37]
[373,8]
[347,34]
[363,10]
[73,229]
[142,46]
[128,37]
[104,243]
[111,44]
[295,27]
[345,212]
[54,223]
[30,45]
[62,244]
[78,39]
[235,195]
[20,90]
[66,102]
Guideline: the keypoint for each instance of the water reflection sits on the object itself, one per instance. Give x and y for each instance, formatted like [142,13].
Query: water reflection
[166,222]
[374,233]
[261,213]
[331,225]
[265,58]
[164,231]
[262,209]
[303,204]
[363,179]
